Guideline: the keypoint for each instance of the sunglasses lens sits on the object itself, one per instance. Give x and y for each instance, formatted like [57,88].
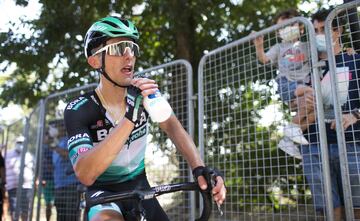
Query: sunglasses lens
[120,48]
[136,50]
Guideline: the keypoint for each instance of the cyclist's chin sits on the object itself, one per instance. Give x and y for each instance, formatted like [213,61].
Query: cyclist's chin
[126,82]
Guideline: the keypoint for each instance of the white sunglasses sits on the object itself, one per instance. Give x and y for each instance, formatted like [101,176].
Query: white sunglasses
[119,48]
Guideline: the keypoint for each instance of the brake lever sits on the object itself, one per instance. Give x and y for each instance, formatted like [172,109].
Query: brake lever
[213,184]
[219,209]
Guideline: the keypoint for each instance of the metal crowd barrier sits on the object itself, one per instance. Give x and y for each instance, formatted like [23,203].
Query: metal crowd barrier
[345,20]
[240,121]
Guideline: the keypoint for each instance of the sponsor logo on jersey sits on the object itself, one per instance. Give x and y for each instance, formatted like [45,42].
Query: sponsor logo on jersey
[79,150]
[130,102]
[136,135]
[78,136]
[142,120]
[101,134]
[74,157]
[74,105]
[139,130]
[82,150]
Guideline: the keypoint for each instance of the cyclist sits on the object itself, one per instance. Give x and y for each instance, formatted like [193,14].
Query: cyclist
[107,127]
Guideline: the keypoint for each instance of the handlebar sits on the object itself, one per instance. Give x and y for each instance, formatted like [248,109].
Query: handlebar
[100,197]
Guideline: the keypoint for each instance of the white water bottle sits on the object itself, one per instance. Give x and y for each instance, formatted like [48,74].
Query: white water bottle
[157,107]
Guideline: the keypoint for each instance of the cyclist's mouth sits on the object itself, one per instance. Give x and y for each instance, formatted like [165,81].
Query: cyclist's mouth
[127,70]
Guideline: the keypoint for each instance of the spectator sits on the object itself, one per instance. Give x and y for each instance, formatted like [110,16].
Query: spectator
[349,81]
[67,198]
[291,58]
[12,164]
[47,176]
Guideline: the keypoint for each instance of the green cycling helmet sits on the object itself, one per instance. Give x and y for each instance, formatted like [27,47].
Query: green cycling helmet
[106,28]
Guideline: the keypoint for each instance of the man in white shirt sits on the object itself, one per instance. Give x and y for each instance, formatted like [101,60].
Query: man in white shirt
[12,164]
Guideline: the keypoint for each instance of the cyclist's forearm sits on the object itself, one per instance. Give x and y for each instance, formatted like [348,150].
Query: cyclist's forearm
[94,162]
[182,141]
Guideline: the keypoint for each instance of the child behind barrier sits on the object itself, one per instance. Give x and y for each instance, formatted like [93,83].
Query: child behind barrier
[291,56]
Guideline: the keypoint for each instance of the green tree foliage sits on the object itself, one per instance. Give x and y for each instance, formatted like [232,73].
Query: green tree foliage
[169,30]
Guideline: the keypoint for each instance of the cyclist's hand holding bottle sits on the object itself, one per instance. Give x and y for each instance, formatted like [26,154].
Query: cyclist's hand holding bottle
[139,88]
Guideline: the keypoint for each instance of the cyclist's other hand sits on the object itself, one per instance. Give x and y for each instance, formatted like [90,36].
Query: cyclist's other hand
[218,191]
[147,86]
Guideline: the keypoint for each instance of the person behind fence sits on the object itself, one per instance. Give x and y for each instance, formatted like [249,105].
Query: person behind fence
[48,176]
[67,198]
[348,74]
[108,127]
[292,59]
[12,164]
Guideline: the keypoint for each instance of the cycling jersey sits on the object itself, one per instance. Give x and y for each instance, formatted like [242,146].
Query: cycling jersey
[87,123]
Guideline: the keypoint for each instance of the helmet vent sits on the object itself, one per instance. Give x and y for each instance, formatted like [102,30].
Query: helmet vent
[96,35]
[110,23]
[125,22]
[117,32]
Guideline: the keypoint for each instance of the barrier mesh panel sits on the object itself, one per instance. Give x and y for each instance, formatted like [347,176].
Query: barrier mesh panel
[244,125]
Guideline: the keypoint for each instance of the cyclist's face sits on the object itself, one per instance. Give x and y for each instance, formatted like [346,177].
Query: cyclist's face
[120,68]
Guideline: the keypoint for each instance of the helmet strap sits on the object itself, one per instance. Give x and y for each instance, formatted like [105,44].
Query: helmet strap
[103,72]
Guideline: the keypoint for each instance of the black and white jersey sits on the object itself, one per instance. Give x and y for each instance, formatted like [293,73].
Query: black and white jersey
[87,123]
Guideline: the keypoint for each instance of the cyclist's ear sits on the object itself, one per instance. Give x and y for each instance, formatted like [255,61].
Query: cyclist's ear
[94,61]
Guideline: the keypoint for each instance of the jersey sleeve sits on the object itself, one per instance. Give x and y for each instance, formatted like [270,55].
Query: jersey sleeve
[273,53]
[76,126]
